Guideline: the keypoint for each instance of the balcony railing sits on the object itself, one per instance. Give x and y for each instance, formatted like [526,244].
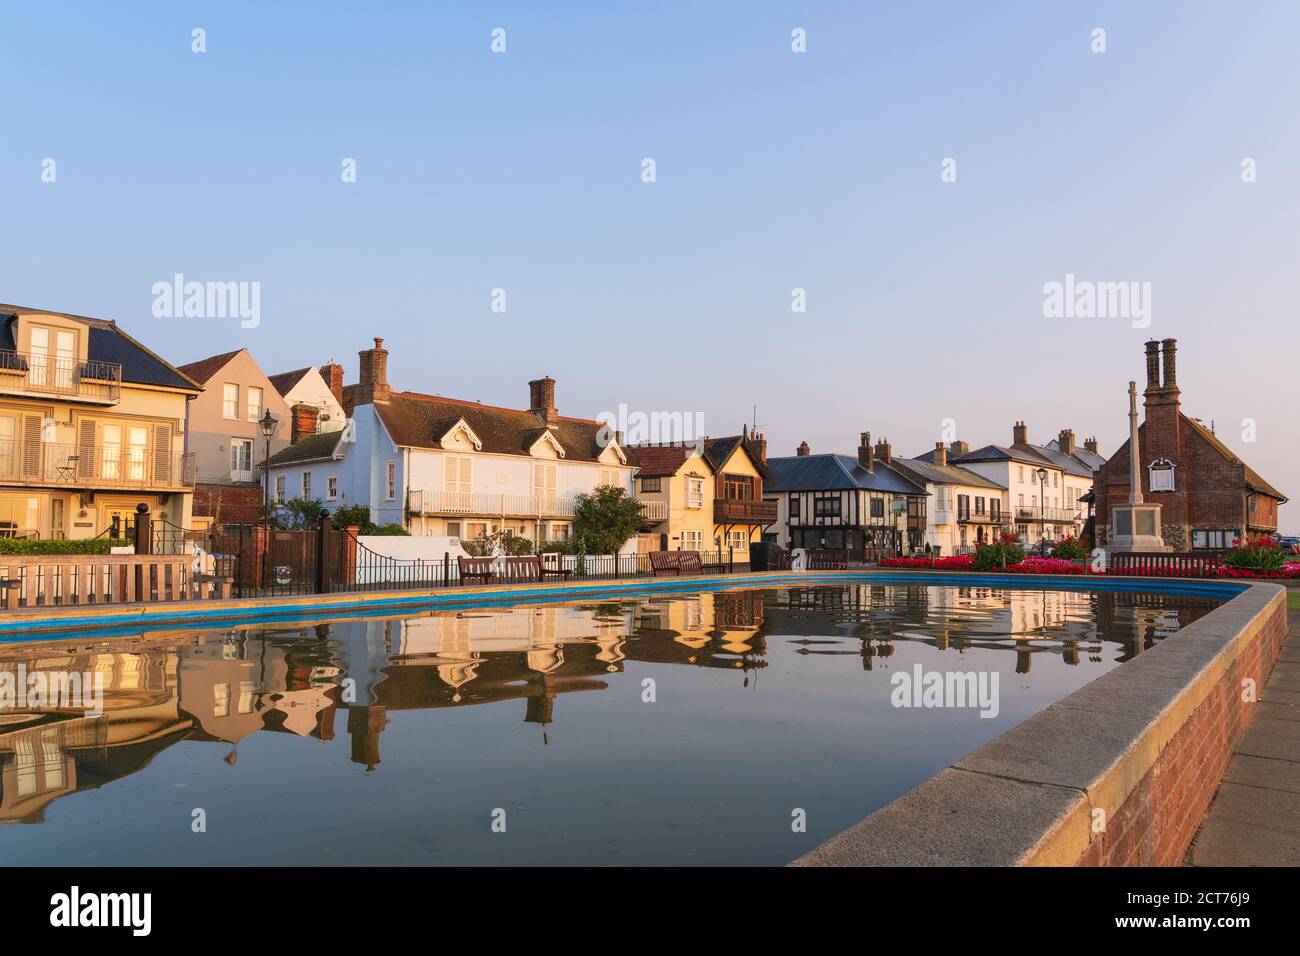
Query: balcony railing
[35,373]
[971,517]
[94,466]
[1028,514]
[483,503]
[652,510]
[746,511]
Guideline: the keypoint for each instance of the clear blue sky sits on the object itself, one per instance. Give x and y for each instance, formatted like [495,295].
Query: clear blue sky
[775,171]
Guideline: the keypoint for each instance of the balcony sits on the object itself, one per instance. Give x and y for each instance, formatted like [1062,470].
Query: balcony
[653,511]
[742,511]
[76,467]
[484,504]
[47,376]
[970,517]
[1030,514]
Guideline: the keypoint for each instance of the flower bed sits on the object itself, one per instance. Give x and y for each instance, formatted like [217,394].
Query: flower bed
[964,562]
[953,562]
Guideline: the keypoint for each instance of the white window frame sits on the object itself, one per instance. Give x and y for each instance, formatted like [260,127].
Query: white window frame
[692,540]
[390,480]
[279,489]
[332,488]
[695,492]
[306,485]
[229,405]
[255,413]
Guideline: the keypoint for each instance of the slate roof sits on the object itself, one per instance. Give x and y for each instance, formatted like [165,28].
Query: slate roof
[316,447]
[1035,455]
[107,343]
[420,421]
[944,474]
[204,369]
[284,382]
[835,473]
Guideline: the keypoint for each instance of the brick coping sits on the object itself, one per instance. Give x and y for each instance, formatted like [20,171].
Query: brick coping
[1137,752]
[133,617]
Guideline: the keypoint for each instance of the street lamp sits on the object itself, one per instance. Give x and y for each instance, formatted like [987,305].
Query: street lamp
[266,424]
[1042,507]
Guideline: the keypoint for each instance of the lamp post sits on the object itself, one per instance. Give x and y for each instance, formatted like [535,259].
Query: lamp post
[1042,507]
[266,424]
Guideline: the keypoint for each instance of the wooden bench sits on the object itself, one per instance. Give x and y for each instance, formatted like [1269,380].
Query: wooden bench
[828,559]
[520,568]
[1166,564]
[551,567]
[675,562]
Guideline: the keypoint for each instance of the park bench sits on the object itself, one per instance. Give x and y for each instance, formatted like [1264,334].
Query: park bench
[828,559]
[675,562]
[1166,564]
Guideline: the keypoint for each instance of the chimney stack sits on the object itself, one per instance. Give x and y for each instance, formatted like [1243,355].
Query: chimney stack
[1020,434]
[306,419]
[541,400]
[940,454]
[1066,441]
[1091,445]
[803,451]
[372,385]
[1153,365]
[333,375]
[884,451]
[957,449]
[760,445]
[1169,348]
[866,454]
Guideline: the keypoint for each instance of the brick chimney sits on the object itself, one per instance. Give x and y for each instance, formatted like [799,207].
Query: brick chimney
[1153,366]
[305,422]
[866,454]
[803,451]
[958,448]
[1020,434]
[884,451]
[1091,445]
[372,387]
[541,400]
[1161,424]
[760,445]
[1066,440]
[940,454]
[1168,352]
[333,375]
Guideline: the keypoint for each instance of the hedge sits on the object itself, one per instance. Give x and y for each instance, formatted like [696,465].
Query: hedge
[39,546]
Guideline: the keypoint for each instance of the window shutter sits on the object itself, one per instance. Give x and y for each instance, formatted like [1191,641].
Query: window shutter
[86,449]
[162,454]
[32,445]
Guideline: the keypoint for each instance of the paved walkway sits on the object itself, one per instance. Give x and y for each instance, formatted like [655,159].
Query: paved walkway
[1255,817]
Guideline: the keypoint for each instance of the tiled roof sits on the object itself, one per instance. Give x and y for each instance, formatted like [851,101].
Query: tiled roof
[943,474]
[658,461]
[204,369]
[835,473]
[419,421]
[312,448]
[107,343]
[1253,478]
[284,382]
[719,450]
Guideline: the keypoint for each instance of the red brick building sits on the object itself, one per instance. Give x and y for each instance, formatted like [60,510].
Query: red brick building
[1209,497]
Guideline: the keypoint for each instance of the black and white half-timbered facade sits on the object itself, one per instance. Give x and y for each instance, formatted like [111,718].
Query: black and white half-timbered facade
[863,504]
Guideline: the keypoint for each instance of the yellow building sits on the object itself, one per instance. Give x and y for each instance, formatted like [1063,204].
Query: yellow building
[675,487]
[92,424]
[739,465]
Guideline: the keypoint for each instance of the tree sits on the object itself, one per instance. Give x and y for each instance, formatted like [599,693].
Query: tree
[605,519]
[302,514]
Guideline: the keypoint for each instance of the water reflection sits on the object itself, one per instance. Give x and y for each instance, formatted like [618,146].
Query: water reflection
[219,688]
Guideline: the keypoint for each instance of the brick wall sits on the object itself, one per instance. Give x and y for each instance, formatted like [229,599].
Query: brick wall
[233,504]
[1156,823]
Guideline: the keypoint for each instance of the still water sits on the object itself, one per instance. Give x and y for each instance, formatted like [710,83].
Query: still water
[681,729]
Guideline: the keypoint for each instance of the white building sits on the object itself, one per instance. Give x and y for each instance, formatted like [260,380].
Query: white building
[321,389]
[443,466]
[966,509]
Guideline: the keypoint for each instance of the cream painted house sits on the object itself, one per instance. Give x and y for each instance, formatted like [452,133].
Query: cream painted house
[740,512]
[92,424]
[443,466]
[674,484]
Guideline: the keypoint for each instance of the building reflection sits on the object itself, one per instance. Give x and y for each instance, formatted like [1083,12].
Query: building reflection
[221,687]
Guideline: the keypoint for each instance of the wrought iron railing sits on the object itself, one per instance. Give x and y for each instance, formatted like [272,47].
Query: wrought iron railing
[43,374]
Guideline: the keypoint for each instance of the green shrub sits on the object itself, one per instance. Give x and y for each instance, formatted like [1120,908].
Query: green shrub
[1069,549]
[1257,554]
[358,516]
[39,546]
[999,554]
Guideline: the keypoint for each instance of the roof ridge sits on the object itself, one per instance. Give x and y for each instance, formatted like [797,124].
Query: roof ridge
[426,397]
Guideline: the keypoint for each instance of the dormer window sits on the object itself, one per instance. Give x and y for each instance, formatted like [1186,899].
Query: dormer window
[1161,474]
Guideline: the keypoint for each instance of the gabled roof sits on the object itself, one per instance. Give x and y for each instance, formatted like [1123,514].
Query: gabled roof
[924,471]
[719,450]
[835,473]
[414,420]
[318,447]
[203,370]
[659,461]
[284,382]
[1036,455]
[105,342]
[1253,479]
[1059,459]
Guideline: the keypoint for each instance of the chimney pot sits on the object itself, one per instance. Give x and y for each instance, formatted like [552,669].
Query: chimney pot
[541,400]
[372,382]
[940,454]
[306,419]
[803,450]
[1169,353]
[866,454]
[1153,364]
[1091,445]
[1066,441]
[957,449]
[1020,434]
